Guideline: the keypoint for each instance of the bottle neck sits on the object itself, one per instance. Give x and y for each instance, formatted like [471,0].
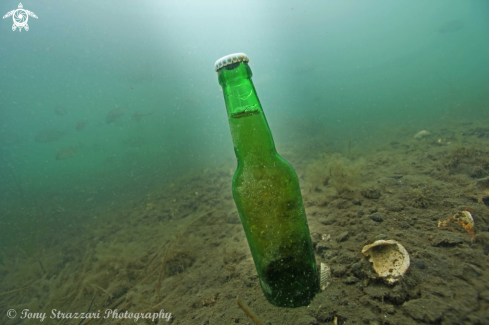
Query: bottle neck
[252,139]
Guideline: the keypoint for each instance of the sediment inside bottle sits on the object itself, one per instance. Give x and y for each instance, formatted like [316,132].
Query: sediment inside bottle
[268,198]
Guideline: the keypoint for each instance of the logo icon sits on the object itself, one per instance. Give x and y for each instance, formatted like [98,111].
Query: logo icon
[20,17]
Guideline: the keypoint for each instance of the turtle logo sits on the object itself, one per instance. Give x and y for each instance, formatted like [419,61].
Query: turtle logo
[20,17]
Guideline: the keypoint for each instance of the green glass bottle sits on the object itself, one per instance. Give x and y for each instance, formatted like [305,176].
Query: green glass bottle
[267,194]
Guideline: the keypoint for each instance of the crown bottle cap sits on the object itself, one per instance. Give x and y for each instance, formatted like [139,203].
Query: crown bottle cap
[230,59]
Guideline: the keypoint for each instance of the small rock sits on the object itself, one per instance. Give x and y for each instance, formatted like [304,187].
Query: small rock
[357,202]
[394,205]
[377,217]
[358,270]
[380,236]
[361,213]
[356,267]
[371,193]
[360,237]
[248,283]
[351,280]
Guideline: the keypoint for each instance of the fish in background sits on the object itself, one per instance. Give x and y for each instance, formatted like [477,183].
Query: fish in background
[137,116]
[49,135]
[81,125]
[450,26]
[114,115]
[67,152]
[59,110]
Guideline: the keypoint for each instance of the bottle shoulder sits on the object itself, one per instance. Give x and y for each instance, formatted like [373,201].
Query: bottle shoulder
[268,170]
[272,161]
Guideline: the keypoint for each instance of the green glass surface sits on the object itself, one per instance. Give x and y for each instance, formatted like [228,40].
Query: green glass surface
[268,198]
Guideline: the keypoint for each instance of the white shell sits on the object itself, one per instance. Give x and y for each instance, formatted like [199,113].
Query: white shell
[324,276]
[390,259]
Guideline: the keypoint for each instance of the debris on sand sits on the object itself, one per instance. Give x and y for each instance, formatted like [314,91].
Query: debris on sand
[421,134]
[390,259]
[461,218]
[325,276]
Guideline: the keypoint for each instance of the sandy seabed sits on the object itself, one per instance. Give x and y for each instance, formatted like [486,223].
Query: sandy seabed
[182,250]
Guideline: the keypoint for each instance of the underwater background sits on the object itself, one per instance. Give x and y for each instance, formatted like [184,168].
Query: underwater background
[106,105]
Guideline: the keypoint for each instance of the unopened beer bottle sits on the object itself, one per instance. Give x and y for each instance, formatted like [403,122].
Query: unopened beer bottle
[267,194]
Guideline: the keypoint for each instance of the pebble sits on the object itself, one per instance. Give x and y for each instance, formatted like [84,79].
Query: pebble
[371,193]
[356,268]
[360,237]
[351,280]
[377,217]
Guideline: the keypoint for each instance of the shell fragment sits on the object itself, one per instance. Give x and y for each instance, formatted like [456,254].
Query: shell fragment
[325,275]
[389,258]
[461,218]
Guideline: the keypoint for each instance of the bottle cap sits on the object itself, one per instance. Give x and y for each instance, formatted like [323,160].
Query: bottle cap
[230,59]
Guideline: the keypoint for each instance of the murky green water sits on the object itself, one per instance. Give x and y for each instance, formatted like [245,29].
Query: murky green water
[345,72]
